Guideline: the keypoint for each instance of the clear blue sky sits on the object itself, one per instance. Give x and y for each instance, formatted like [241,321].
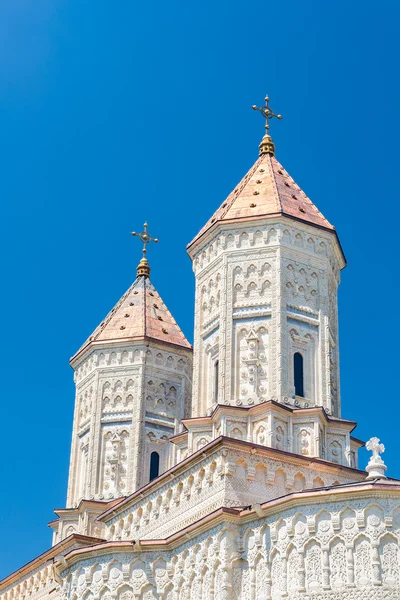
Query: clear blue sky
[116,112]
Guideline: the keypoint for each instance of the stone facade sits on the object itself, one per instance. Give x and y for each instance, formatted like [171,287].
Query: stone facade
[263,293]
[227,473]
[129,401]
[335,550]
[308,432]
[327,545]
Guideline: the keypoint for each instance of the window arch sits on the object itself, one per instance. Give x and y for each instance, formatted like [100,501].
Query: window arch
[298,370]
[154,465]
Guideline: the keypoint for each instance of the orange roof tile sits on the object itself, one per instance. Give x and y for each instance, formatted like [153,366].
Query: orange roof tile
[267,190]
[139,314]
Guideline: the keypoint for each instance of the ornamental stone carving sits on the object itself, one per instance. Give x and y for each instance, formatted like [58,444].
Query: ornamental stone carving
[306,552]
[114,431]
[376,468]
[293,299]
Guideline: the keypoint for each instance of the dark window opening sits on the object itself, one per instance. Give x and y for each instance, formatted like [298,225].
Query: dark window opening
[298,374]
[154,465]
[216,377]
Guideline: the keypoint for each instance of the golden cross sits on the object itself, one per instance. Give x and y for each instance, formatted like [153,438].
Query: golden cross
[266,112]
[145,237]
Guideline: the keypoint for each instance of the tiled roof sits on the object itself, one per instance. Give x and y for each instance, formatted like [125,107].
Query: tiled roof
[139,314]
[267,190]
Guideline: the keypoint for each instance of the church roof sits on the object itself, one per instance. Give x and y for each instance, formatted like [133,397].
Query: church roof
[140,314]
[266,191]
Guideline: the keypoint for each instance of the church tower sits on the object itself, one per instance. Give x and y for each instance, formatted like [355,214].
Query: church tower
[254,491]
[267,267]
[133,388]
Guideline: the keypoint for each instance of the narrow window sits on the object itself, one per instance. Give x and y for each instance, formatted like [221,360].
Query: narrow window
[216,377]
[298,374]
[154,465]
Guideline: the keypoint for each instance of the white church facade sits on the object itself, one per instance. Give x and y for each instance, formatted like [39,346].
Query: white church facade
[226,471]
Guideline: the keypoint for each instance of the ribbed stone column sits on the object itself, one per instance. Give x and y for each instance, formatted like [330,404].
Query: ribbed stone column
[325,569]
[350,566]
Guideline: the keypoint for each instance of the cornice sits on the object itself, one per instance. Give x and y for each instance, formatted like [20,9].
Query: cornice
[123,343]
[340,493]
[265,220]
[226,409]
[212,447]
[221,515]
[49,554]
[238,516]
[85,505]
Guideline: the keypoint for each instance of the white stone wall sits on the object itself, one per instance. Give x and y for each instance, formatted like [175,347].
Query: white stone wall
[39,584]
[228,476]
[306,432]
[82,520]
[347,550]
[264,292]
[129,401]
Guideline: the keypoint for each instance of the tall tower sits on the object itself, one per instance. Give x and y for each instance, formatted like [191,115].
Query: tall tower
[267,267]
[133,388]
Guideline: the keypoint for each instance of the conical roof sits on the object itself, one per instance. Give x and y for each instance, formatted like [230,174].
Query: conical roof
[266,191]
[139,315]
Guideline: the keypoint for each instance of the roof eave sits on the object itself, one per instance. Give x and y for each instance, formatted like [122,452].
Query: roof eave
[222,408]
[217,442]
[196,242]
[120,342]
[49,554]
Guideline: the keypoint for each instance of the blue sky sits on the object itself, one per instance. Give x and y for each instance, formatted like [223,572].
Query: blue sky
[113,113]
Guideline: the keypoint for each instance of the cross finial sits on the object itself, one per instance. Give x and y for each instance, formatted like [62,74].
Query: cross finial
[144,236]
[376,467]
[376,448]
[267,146]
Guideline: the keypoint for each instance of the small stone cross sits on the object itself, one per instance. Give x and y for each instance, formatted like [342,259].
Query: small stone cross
[375,447]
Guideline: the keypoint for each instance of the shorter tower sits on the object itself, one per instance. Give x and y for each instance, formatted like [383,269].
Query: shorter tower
[133,388]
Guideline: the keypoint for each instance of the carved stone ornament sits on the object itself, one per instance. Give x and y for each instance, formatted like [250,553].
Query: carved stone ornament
[376,468]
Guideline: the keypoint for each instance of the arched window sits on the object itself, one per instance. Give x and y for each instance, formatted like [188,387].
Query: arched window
[216,377]
[298,374]
[154,465]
